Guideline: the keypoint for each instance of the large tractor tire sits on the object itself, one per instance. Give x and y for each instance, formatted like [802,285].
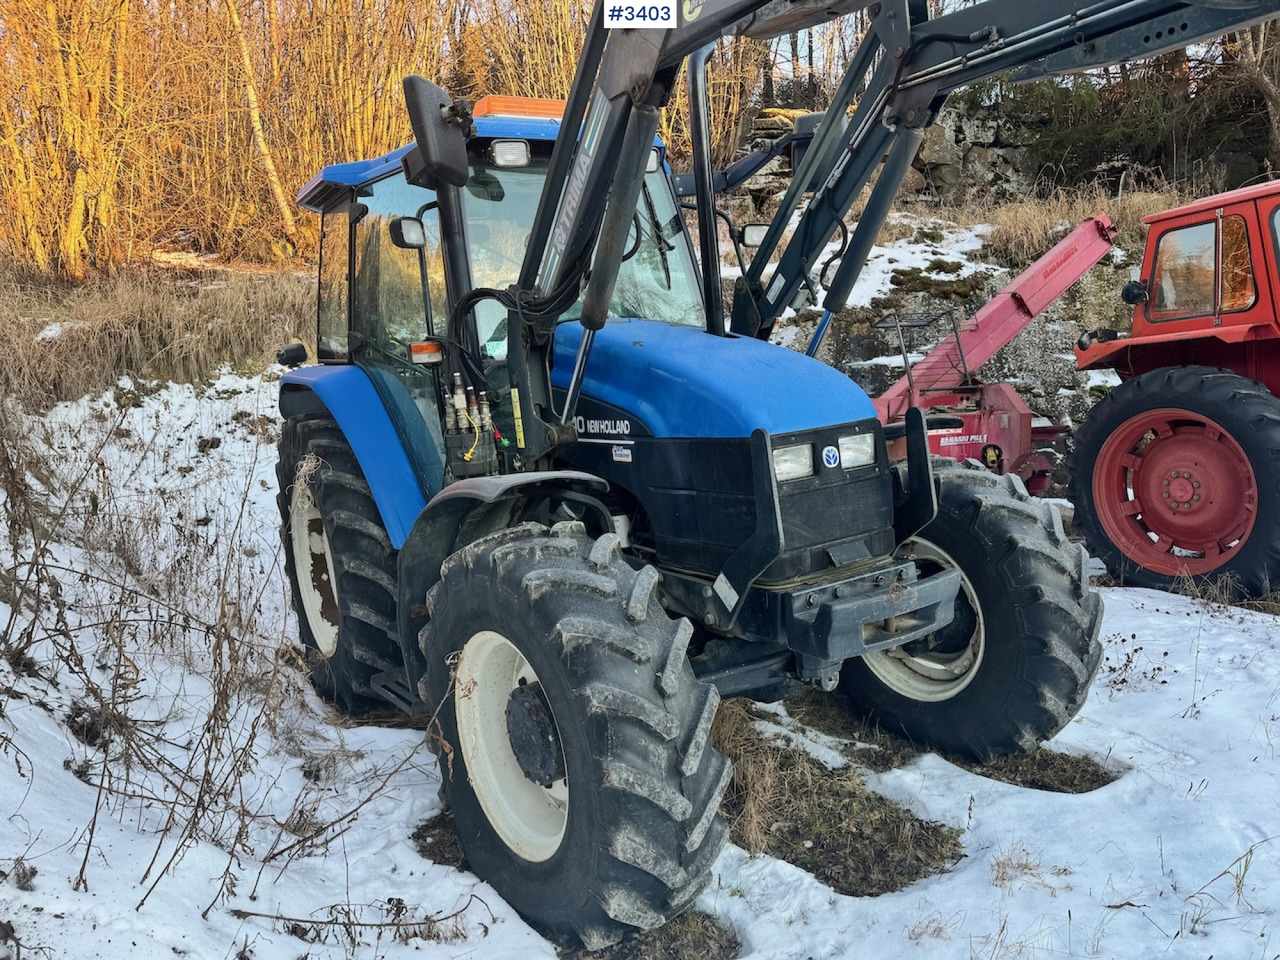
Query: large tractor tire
[1016,662]
[1175,478]
[573,736]
[340,563]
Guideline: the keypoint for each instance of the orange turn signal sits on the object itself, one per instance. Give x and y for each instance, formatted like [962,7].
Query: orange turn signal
[429,352]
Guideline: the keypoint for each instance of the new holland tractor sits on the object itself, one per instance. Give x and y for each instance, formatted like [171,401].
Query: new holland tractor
[535,494]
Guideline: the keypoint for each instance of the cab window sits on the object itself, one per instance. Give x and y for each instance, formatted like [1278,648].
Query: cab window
[1189,280]
[335,262]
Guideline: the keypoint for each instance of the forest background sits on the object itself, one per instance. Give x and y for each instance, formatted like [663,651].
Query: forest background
[127,124]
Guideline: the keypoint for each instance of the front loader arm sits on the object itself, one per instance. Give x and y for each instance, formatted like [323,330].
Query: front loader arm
[921,62]
[595,177]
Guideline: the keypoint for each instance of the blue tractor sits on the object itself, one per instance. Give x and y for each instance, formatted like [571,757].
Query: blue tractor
[537,494]
[726,521]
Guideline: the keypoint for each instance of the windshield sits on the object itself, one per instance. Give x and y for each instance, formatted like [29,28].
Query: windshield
[657,280]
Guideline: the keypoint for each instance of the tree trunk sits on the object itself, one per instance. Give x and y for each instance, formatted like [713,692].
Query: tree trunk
[255,120]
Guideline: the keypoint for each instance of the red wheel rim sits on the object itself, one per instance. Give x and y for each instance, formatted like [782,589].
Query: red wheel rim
[1175,492]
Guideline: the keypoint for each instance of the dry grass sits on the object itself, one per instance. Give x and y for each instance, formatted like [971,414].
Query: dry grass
[437,840]
[62,342]
[690,936]
[1042,769]
[1022,230]
[784,803]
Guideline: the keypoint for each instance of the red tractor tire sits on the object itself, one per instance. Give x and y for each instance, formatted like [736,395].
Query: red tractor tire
[1175,479]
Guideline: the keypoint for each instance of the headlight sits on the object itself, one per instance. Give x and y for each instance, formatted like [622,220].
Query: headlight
[792,463]
[858,451]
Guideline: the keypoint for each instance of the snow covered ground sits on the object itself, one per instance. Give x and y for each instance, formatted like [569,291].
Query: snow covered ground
[240,817]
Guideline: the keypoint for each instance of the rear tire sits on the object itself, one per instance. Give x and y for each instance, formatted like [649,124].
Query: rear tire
[1175,476]
[1016,662]
[340,563]
[574,737]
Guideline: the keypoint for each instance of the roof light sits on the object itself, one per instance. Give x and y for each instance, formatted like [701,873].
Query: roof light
[510,153]
[495,106]
[654,162]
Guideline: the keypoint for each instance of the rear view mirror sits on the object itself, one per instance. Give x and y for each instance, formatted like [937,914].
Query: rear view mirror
[440,128]
[407,233]
[483,185]
[753,234]
[1134,292]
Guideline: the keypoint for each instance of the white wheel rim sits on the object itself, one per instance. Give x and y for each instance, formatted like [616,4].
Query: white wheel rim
[313,566]
[530,818]
[931,677]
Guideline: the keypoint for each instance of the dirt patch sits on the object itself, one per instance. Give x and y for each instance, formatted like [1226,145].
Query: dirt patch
[437,840]
[784,803]
[690,936]
[871,748]
[1042,769]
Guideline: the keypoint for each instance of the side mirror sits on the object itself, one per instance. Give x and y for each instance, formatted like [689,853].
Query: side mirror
[483,185]
[1134,293]
[753,234]
[440,127]
[407,233]
[291,355]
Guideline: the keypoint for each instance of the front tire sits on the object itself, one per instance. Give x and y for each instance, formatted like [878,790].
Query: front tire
[574,737]
[340,563]
[1175,476]
[1016,661]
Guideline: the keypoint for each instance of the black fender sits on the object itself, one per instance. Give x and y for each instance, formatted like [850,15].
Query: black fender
[460,514]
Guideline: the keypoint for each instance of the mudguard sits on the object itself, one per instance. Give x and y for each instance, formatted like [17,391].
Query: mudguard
[463,512]
[349,395]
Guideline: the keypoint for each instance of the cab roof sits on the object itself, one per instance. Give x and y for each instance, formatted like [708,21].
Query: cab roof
[335,182]
[337,179]
[1239,195]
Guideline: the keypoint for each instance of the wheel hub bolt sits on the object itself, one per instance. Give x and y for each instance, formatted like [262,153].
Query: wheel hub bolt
[1166,493]
[1196,497]
[1166,483]
[1196,484]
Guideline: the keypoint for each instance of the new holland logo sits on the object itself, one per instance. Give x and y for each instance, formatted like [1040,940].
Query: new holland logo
[831,456]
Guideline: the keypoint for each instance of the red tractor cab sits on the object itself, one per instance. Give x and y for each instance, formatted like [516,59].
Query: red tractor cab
[1176,472]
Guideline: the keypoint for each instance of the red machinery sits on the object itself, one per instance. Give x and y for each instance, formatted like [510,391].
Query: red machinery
[995,426]
[1176,473]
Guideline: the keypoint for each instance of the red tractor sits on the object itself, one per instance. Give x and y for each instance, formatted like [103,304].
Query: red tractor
[1175,474]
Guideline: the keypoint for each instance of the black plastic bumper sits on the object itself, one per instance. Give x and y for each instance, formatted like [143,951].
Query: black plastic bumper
[886,608]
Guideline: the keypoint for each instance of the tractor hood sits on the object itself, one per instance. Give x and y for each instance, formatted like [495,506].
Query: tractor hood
[684,382]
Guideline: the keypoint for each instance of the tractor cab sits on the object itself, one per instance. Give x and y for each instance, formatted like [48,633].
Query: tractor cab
[1206,286]
[384,299]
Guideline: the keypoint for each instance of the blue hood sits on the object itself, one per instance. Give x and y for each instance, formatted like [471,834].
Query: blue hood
[684,382]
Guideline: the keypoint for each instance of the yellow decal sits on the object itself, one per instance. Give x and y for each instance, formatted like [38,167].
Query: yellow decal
[692,10]
[515,409]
